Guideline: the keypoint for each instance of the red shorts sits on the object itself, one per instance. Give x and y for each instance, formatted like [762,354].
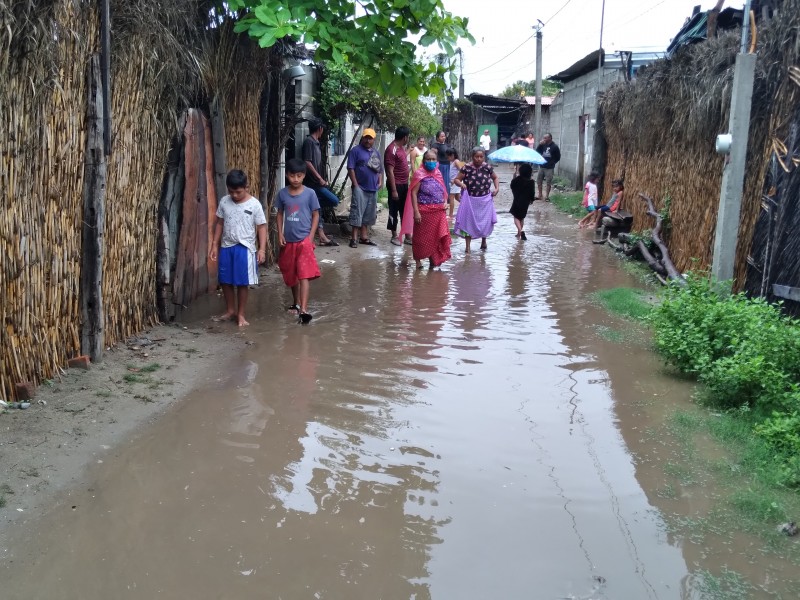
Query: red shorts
[297,261]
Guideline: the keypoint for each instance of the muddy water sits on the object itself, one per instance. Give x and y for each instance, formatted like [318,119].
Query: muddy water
[453,434]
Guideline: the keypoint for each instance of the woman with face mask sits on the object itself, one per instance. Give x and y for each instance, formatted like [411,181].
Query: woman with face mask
[425,215]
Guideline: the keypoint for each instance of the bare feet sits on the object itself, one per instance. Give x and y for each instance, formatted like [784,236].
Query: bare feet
[228,316]
[242,321]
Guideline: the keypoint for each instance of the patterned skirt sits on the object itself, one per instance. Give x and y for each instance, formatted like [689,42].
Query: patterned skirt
[431,235]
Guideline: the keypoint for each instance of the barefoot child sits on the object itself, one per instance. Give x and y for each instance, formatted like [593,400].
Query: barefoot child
[590,199]
[612,206]
[298,216]
[524,191]
[455,167]
[239,219]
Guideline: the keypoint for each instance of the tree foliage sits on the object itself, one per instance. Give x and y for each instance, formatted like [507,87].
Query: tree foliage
[528,88]
[345,91]
[369,36]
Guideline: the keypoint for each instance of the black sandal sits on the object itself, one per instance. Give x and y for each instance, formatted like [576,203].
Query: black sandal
[294,307]
[367,242]
[305,318]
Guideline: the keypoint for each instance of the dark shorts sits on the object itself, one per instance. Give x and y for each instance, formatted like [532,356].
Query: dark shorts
[237,266]
[544,175]
[297,261]
[396,207]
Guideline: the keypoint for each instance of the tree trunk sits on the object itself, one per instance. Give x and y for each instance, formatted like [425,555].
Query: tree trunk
[93,231]
[666,261]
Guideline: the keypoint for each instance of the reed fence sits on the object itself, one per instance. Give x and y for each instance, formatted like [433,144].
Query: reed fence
[165,60]
[660,132]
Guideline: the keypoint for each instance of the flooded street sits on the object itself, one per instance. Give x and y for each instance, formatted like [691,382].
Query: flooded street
[458,434]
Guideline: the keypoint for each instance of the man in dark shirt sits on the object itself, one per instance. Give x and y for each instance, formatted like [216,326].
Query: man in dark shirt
[395,162]
[315,175]
[552,155]
[439,144]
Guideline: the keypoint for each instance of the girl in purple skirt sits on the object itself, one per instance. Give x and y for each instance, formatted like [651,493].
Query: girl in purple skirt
[476,215]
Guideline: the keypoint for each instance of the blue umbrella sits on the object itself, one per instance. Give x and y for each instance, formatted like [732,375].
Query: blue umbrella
[517,154]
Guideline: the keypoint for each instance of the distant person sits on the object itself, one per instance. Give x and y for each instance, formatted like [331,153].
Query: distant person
[416,154]
[365,169]
[455,191]
[315,175]
[590,198]
[395,162]
[298,216]
[530,140]
[240,219]
[551,153]
[524,191]
[440,145]
[476,216]
[486,140]
[427,201]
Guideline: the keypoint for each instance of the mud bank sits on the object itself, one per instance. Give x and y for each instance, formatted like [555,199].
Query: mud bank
[84,417]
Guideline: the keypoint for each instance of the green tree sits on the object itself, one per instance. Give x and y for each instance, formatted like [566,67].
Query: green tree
[345,91]
[528,88]
[368,35]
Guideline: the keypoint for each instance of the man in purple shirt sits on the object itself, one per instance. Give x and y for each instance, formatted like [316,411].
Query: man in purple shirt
[365,169]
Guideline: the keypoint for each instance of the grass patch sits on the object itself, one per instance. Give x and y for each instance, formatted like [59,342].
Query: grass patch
[627,302]
[568,202]
[135,378]
[103,394]
[746,482]
[151,368]
[729,585]
[5,490]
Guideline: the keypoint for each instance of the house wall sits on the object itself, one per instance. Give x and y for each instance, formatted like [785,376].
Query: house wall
[579,97]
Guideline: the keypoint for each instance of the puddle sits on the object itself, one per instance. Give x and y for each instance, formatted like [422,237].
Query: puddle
[464,433]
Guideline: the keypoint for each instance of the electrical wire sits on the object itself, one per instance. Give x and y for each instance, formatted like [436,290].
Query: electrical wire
[563,6]
[502,59]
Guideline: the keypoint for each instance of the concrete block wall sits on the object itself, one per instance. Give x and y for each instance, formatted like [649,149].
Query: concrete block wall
[579,97]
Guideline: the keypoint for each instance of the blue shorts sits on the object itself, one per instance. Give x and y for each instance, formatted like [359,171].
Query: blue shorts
[590,208]
[237,266]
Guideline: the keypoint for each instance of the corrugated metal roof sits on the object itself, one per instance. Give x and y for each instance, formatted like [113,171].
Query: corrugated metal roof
[546,100]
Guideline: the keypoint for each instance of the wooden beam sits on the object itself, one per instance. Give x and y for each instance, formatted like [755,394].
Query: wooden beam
[105,70]
[94,195]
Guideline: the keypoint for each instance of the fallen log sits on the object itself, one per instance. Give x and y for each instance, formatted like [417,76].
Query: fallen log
[666,261]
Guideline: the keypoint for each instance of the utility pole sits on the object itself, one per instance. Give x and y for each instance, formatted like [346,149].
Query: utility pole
[538,110]
[730,196]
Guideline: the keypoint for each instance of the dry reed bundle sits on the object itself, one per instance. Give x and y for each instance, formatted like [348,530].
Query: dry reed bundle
[42,125]
[661,131]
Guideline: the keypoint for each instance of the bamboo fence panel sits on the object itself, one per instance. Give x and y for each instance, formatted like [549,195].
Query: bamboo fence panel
[42,140]
[135,171]
[242,146]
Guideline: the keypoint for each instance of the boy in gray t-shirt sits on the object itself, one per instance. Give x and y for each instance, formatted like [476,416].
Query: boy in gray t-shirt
[298,217]
[241,231]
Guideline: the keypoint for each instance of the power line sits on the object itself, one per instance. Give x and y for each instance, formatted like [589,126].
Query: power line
[563,6]
[640,15]
[502,59]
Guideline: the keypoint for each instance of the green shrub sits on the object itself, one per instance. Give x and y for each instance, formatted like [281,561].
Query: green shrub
[782,432]
[744,350]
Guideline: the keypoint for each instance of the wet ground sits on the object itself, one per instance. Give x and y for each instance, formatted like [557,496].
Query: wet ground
[469,433]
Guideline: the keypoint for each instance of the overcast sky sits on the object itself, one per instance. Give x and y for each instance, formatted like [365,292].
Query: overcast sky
[571,31]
